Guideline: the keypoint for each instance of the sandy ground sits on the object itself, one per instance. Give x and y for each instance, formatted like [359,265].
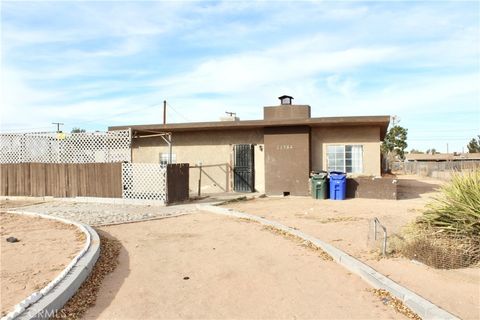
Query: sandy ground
[7,204]
[208,266]
[44,249]
[347,225]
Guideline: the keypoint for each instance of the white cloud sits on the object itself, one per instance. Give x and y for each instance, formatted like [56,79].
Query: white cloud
[248,71]
[424,97]
[342,85]
[80,62]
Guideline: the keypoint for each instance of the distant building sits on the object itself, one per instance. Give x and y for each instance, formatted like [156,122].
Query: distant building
[439,157]
[274,155]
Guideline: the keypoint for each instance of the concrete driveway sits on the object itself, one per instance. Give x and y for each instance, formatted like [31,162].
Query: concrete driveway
[207,266]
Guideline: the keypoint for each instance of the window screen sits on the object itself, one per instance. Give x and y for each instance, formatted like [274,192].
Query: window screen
[345,158]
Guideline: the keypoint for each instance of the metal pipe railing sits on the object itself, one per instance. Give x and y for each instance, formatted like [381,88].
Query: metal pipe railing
[384,244]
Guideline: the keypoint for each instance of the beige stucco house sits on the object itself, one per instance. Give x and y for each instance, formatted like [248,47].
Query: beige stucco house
[274,155]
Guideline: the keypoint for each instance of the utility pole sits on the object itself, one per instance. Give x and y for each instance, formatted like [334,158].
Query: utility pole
[58,124]
[395,120]
[164,112]
[447,147]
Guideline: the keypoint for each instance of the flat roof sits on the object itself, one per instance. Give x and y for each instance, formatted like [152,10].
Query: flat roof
[377,121]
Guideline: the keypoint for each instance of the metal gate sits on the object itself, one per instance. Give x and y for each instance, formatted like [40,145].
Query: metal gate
[243,170]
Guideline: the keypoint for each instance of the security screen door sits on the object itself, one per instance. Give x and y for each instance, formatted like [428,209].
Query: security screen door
[243,170]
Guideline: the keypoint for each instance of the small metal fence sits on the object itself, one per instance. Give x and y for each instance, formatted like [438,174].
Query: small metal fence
[377,236]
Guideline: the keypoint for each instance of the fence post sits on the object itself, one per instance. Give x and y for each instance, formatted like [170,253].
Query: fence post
[200,179]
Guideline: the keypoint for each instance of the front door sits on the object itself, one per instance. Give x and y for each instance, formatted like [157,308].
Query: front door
[243,170]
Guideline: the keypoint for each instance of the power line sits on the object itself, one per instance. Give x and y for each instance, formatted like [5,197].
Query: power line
[104,118]
[87,121]
[25,129]
[181,115]
[446,130]
[120,113]
[441,139]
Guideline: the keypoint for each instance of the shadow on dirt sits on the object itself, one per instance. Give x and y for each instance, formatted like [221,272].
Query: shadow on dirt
[413,189]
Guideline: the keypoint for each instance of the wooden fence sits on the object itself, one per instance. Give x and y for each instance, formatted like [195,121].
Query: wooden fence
[177,182]
[61,180]
[442,170]
[65,180]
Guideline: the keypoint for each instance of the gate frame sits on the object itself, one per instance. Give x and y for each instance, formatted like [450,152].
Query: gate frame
[252,165]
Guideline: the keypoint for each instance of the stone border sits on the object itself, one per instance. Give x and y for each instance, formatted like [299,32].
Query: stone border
[45,303]
[421,306]
[88,200]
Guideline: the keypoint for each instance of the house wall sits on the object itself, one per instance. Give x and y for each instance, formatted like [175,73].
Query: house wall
[286,112]
[214,149]
[369,137]
[287,160]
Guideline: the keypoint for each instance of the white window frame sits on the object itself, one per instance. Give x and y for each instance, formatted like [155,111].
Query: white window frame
[164,158]
[341,161]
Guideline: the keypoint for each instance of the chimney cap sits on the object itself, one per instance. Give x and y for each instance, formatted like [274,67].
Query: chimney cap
[285,100]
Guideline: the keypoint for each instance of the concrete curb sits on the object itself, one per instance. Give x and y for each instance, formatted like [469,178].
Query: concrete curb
[421,306]
[45,303]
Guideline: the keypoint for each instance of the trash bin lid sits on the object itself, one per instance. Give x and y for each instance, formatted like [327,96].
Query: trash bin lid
[322,175]
[319,175]
[337,175]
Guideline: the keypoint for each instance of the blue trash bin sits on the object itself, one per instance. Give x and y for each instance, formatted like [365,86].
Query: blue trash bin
[338,185]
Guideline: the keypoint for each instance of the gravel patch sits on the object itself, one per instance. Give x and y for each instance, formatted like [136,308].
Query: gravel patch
[96,214]
[87,293]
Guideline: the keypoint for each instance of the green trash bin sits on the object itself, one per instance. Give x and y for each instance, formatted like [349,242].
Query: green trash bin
[319,185]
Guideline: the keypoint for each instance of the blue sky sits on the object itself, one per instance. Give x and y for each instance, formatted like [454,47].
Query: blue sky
[94,64]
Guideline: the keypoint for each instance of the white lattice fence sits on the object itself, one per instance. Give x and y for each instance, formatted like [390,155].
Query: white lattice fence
[51,147]
[145,181]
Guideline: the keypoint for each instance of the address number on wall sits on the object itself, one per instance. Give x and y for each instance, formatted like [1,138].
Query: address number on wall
[284,147]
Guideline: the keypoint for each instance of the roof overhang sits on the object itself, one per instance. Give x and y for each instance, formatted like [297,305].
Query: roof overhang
[377,121]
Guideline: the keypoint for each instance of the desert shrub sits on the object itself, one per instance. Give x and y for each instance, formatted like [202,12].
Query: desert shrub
[456,211]
[447,235]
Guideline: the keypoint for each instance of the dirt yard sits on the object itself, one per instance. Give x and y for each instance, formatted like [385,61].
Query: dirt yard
[7,204]
[347,225]
[44,248]
[208,266]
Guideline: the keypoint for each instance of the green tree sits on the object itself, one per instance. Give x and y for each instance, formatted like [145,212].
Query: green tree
[431,151]
[395,141]
[415,151]
[77,130]
[474,145]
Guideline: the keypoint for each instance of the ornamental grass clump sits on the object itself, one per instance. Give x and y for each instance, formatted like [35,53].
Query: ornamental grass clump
[456,211]
[447,235]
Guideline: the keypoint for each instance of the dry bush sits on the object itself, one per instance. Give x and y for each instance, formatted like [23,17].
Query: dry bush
[447,235]
[442,251]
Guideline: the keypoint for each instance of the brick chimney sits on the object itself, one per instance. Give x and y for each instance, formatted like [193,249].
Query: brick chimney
[286,110]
